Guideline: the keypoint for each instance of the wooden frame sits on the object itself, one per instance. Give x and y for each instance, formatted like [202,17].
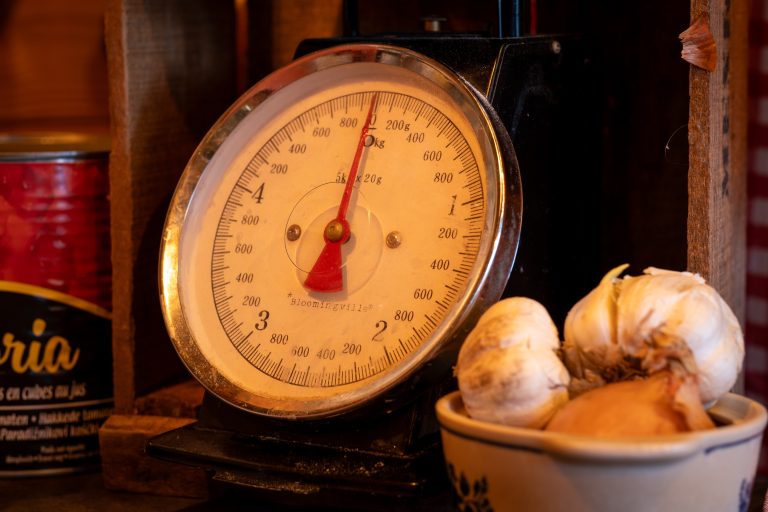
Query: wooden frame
[171,74]
[717,171]
[717,174]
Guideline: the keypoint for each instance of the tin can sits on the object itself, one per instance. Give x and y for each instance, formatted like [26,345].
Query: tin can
[55,302]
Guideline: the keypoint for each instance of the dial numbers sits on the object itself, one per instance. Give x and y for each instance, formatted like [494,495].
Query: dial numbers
[419,178]
[413,241]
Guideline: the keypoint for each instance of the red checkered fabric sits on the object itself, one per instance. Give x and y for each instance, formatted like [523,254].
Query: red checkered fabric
[756,328]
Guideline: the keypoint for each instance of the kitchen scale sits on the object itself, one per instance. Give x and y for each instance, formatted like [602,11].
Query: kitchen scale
[332,240]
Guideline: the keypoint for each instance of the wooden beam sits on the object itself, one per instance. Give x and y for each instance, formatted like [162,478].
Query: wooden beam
[717,175]
[171,75]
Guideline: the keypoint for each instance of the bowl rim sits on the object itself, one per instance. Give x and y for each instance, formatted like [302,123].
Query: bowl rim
[746,420]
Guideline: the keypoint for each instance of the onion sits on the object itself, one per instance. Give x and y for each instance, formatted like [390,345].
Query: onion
[667,402]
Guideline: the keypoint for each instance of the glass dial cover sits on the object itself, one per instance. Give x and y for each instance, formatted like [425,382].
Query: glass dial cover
[344,222]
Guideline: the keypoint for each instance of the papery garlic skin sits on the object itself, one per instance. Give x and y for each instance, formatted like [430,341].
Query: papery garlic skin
[511,321]
[514,386]
[680,305]
[508,370]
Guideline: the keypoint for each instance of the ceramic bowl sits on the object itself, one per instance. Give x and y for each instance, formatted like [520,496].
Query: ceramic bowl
[494,467]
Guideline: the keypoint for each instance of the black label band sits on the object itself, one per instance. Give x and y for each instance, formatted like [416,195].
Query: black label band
[55,380]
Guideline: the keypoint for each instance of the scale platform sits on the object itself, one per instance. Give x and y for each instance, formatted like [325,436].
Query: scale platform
[320,466]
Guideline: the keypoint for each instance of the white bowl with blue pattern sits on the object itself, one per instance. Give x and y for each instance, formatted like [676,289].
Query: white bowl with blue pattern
[499,468]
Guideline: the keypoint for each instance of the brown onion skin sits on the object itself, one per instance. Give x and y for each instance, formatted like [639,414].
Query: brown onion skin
[664,403]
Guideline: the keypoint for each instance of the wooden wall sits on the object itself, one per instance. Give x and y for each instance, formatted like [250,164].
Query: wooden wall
[53,70]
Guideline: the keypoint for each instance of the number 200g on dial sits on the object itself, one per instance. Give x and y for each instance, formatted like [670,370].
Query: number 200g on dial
[336,229]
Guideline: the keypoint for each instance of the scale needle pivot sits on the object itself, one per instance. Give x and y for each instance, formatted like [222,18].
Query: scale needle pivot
[326,274]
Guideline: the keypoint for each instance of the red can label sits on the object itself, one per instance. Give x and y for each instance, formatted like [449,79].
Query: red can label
[55,325]
[54,227]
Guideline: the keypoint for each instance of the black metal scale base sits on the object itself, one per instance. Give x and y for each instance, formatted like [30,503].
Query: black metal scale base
[373,463]
[391,458]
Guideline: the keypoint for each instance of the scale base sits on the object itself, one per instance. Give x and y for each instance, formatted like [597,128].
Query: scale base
[248,469]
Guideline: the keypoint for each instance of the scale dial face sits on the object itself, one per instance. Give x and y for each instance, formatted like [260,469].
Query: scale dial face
[336,230]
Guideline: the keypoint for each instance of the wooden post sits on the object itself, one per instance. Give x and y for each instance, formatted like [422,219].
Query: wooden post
[717,175]
[171,75]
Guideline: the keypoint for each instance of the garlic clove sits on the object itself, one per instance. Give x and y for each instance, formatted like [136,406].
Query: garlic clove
[667,402]
[516,386]
[648,302]
[590,330]
[512,321]
[720,357]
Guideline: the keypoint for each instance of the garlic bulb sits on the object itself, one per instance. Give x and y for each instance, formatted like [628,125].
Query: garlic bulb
[667,402]
[639,324]
[511,321]
[508,370]
[681,306]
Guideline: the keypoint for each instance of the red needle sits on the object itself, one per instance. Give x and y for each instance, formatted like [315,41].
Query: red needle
[326,274]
